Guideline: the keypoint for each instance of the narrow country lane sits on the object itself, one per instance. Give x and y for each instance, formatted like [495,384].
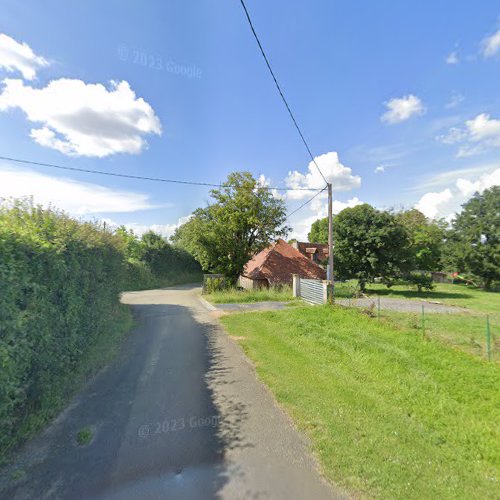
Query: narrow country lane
[178,414]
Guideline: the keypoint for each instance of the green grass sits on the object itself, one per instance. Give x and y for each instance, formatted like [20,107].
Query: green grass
[466,332]
[84,436]
[390,415]
[233,295]
[456,295]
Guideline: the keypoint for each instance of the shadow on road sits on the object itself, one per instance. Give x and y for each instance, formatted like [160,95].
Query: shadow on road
[156,430]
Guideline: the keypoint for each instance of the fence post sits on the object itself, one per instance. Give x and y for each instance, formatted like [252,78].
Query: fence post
[488,337]
[326,292]
[296,285]
[423,321]
[378,307]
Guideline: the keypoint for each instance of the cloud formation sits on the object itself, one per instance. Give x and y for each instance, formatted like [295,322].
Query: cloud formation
[447,201]
[339,175]
[82,119]
[15,56]
[452,58]
[477,136]
[74,197]
[400,109]
[490,46]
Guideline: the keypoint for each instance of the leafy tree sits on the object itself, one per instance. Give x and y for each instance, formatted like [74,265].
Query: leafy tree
[319,231]
[243,219]
[369,243]
[132,244]
[425,238]
[473,243]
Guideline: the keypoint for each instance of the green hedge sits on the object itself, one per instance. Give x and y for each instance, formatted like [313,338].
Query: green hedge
[60,314]
[60,281]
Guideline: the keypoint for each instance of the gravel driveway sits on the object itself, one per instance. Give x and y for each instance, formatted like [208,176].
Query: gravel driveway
[400,305]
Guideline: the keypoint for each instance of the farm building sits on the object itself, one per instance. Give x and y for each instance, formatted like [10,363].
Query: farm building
[317,252]
[276,264]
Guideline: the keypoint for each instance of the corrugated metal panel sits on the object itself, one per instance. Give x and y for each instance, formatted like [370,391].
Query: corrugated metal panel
[312,291]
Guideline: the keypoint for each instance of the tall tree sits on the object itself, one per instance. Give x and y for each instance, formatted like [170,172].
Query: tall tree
[369,243]
[244,218]
[473,244]
[319,231]
[425,239]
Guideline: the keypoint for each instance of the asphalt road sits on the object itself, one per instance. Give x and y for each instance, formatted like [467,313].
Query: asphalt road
[179,414]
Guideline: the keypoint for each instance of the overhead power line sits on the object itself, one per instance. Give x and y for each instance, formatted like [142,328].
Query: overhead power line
[280,91]
[139,177]
[304,204]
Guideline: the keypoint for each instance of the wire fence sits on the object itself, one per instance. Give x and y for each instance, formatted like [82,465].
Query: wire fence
[480,340]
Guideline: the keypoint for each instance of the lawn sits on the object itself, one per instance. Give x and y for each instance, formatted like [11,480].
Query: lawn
[390,414]
[456,295]
[466,331]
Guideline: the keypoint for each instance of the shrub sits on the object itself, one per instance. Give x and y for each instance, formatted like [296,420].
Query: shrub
[421,280]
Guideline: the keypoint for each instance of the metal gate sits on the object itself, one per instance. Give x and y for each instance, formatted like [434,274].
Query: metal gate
[314,291]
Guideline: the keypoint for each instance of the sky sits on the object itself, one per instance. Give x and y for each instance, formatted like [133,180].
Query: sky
[398,101]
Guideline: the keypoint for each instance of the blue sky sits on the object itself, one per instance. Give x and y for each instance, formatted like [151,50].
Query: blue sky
[400,101]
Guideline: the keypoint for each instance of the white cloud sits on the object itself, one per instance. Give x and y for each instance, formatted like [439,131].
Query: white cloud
[484,128]
[479,134]
[335,172]
[81,119]
[467,188]
[491,45]
[15,56]
[380,169]
[453,136]
[444,179]
[452,58]
[431,203]
[400,109]
[455,100]
[77,198]
[449,200]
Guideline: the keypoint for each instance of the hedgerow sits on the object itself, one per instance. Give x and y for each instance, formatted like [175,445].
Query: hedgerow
[60,315]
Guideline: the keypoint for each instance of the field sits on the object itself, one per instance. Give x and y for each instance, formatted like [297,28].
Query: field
[390,414]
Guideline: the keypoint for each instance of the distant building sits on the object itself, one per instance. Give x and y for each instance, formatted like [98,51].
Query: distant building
[440,277]
[316,252]
[276,264]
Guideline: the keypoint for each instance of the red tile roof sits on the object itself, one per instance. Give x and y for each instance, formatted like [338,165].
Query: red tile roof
[278,262]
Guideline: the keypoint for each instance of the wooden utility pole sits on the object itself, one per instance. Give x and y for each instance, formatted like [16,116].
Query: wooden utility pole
[330,241]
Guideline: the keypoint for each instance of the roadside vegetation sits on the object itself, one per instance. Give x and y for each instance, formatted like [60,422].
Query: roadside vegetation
[390,414]
[233,295]
[60,315]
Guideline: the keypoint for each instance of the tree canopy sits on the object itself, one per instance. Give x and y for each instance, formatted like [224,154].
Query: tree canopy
[425,239]
[473,243]
[369,243]
[319,231]
[243,219]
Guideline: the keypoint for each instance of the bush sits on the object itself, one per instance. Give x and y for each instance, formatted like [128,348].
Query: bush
[421,280]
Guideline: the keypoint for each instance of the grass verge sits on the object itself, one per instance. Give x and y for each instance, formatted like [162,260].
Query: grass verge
[232,295]
[390,415]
